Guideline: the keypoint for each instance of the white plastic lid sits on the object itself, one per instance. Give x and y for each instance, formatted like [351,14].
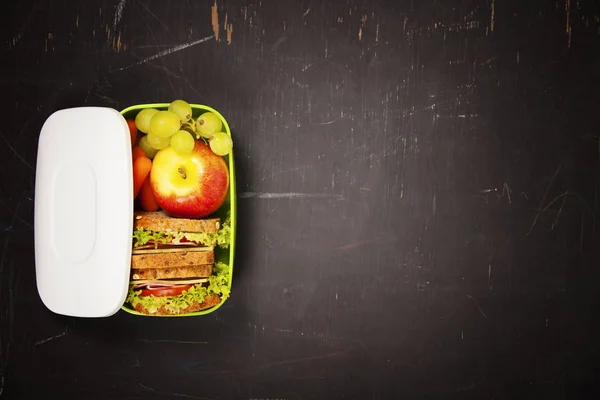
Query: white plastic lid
[83,212]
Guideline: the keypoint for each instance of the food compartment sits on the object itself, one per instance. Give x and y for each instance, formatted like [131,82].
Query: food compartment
[225,256]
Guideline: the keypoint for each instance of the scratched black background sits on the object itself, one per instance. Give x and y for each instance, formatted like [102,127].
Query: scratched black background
[418,189]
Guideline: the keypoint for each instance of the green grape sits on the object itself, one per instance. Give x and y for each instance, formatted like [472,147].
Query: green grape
[182,109]
[164,124]
[221,143]
[157,142]
[149,150]
[208,124]
[142,120]
[182,142]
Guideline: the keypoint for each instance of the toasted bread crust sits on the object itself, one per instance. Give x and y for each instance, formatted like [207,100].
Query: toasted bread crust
[209,301]
[172,259]
[160,221]
[192,271]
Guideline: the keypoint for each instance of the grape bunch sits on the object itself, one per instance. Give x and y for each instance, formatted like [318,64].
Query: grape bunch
[176,127]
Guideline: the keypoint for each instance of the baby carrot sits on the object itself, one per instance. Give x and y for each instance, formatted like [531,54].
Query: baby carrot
[147,200]
[138,152]
[141,169]
[132,132]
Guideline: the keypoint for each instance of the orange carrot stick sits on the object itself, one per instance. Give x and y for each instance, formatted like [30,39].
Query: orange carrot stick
[132,132]
[138,152]
[141,169]
[147,200]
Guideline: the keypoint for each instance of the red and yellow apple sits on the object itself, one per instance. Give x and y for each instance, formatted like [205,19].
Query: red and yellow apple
[192,185]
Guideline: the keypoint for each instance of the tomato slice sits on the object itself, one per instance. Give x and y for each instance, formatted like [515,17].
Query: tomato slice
[165,291]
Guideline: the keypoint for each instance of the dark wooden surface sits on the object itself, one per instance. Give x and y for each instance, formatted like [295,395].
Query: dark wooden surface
[418,197]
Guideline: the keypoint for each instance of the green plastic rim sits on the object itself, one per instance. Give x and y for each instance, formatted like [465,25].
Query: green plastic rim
[230,203]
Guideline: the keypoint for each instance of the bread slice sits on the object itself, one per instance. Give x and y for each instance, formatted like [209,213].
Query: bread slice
[209,301]
[172,259]
[193,271]
[161,221]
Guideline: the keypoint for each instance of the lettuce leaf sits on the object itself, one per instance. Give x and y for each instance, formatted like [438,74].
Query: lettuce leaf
[222,238]
[142,236]
[218,283]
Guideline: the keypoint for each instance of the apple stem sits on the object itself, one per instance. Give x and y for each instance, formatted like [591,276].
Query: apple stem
[182,172]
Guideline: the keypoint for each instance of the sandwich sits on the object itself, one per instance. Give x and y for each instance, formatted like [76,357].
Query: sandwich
[173,269]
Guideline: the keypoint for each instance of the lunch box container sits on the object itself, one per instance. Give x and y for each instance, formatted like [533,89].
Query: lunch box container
[83,223]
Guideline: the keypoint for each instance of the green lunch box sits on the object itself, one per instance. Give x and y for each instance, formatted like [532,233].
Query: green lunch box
[83,217]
